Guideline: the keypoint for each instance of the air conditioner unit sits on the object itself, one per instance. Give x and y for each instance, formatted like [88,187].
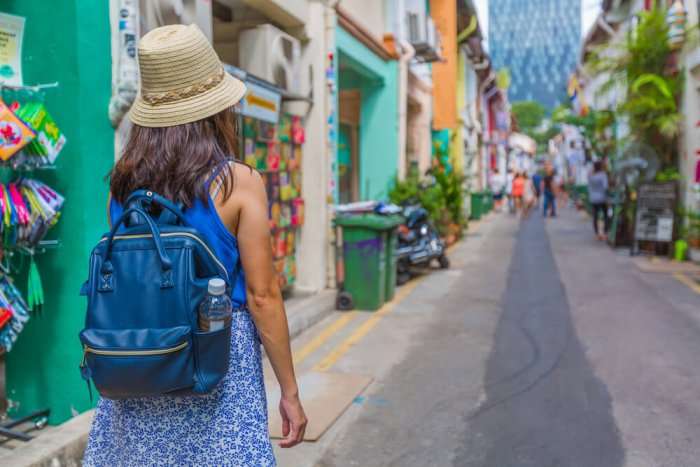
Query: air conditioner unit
[272,55]
[416,32]
[423,36]
[156,13]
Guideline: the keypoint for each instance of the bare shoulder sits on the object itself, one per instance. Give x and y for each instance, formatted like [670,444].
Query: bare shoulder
[247,182]
[246,176]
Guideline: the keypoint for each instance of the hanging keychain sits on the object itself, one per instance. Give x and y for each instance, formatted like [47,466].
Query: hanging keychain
[35,290]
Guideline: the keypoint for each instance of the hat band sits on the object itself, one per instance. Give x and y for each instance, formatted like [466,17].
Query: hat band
[183,93]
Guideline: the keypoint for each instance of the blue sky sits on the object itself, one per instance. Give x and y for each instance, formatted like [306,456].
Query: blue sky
[589,12]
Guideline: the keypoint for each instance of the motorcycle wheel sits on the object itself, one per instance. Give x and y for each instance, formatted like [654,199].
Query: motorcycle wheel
[402,278]
[444,262]
[344,302]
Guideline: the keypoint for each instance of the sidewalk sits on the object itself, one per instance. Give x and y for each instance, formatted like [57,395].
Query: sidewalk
[377,346]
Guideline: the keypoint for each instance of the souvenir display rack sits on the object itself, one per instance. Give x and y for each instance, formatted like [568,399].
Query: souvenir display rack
[275,150]
[30,140]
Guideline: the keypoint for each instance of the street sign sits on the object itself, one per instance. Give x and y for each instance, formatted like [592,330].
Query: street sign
[656,203]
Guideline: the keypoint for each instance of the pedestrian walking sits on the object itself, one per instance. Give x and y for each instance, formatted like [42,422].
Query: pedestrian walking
[517,191]
[548,188]
[529,196]
[598,196]
[496,184]
[510,175]
[536,183]
[180,146]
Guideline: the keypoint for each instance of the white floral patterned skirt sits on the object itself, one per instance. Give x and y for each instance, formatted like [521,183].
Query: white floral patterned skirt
[227,427]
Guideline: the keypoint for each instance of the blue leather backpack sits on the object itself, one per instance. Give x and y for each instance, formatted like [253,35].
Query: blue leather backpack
[145,285]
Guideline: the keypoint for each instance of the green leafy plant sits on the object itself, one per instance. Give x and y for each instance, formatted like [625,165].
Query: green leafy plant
[669,174]
[529,115]
[443,199]
[596,127]
[639,65]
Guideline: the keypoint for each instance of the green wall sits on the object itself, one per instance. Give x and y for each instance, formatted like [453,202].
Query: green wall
[377,81]
[66,41]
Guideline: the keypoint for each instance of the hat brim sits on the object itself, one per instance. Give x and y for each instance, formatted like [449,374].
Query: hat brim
[222,96]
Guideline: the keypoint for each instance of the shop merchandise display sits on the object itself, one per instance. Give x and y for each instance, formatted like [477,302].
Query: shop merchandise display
[14,313]
[14,133]
[29,139]
[29,136]
[276,152]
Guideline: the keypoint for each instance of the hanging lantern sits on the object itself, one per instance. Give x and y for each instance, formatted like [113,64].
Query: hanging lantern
[676,19]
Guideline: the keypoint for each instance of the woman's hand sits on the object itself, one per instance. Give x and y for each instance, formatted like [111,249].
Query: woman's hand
[293,421]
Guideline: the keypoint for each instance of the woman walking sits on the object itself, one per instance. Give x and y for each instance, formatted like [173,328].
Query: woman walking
[517,191]
[180,146]
[548,189]
[598,195]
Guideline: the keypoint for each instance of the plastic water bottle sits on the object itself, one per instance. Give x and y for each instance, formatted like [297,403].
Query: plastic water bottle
[215,311]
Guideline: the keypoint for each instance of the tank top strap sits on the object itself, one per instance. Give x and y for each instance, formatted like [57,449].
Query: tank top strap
[215,178]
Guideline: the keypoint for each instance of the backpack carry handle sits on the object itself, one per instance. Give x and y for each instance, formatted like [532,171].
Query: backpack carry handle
[106,281]
[150,196]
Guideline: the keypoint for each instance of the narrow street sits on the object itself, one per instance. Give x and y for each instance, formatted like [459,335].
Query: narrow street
[539,347]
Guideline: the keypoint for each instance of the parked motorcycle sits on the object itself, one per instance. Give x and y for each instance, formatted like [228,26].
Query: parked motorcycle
[418,244]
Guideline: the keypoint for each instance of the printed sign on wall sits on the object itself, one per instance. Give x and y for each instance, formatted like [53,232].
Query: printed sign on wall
[11,32]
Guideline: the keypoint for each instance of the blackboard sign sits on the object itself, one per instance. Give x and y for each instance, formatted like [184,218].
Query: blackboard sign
[656,203]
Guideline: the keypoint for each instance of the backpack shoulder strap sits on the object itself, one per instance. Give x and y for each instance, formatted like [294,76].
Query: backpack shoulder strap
[152,197]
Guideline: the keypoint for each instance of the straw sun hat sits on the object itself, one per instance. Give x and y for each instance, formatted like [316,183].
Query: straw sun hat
[182,79]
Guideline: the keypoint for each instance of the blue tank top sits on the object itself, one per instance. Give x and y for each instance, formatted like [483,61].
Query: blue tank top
[206,220]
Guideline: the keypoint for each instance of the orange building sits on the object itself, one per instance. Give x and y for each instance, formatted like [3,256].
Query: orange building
[444,13]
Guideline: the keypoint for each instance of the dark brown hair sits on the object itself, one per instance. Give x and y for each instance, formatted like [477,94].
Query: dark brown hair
[176,161]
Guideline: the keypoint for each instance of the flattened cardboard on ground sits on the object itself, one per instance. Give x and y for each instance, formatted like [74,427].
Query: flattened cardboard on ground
[325,397]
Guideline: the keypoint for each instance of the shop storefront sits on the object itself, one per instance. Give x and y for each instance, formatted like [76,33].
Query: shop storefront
[41,366]
[271,142]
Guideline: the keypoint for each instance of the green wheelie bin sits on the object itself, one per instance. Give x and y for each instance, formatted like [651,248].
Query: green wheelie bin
[477,200]
[365,239]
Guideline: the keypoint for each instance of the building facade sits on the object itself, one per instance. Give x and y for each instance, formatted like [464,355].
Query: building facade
[690,134]
[367,109]
[538,41]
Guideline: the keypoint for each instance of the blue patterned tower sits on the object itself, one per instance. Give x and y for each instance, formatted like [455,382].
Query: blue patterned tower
[538,41]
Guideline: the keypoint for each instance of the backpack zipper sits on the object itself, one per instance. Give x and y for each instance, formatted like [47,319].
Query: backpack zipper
[175,234]
[131,353]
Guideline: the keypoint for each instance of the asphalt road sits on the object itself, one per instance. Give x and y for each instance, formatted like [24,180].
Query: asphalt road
[544,405]
[540,347]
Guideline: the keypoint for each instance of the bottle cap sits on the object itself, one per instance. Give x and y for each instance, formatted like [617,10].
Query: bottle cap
[216,286]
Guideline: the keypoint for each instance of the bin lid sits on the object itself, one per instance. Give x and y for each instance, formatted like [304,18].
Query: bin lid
[370,221]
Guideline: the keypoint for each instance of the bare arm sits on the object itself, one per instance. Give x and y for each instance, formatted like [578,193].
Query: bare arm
[247,209]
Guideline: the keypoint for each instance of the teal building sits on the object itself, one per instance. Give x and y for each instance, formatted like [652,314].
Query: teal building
[367,123]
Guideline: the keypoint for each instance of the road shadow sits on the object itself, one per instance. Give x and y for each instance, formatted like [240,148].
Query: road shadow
[543,405]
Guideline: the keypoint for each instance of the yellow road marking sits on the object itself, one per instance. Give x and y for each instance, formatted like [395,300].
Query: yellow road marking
[329,360]
[692,285]
[323,336]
